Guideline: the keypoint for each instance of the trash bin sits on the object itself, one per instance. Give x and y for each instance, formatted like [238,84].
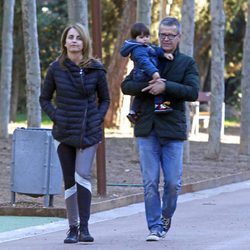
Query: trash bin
[36,169]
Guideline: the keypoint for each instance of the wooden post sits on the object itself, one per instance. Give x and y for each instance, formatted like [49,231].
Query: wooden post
[97,50]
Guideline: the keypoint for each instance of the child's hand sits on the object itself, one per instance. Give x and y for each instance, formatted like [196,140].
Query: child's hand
[169,56]
[156,76]
[153,81]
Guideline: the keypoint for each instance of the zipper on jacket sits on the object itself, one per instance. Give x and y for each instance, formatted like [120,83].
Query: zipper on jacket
[81,77]
[81,74]
[83,123]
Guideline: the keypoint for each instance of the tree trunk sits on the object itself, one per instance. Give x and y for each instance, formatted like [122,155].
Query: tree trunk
[78,12]
[116,69]
[187,23]
[217,78]
[245,90]
[144,12]
[6,66]
[18,73]
[32,63]
[163,4]
[186,47]
[14,93]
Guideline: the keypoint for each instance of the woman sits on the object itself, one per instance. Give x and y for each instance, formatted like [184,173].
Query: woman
[81,102]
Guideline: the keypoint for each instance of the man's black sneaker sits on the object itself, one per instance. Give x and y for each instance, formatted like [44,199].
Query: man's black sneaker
[84,235]
[72,235]
[166,224]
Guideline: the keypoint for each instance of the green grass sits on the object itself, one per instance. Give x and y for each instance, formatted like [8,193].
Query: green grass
[233,122]
[9,223]
[22,118]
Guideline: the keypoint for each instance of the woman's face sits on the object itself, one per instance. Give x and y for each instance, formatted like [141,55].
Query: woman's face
[73,42]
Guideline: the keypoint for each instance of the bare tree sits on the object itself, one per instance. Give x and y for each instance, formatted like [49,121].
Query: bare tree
[117,67]
[188,25]
[162,9]
[187,47]
[6,66]
[217,78]
[144,12]
[32,62]
[245,90]
[18,75]
[78,11]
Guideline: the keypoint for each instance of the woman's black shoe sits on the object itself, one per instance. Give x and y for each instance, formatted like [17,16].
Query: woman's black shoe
[84,235]
[72,235]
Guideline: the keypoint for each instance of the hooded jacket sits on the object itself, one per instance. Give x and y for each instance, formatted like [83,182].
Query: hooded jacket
[145,57]
[81,102]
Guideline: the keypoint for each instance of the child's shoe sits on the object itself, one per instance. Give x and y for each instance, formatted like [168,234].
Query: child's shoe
[163,107]
[133,117]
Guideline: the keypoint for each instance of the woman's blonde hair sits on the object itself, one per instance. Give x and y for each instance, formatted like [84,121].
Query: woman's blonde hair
[86,51]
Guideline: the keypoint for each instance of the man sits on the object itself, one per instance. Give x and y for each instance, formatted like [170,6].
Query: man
[160,136]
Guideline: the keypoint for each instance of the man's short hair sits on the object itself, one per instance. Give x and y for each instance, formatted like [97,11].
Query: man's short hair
[139,29]
[171,21]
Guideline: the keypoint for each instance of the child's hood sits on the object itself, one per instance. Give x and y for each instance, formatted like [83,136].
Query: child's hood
[128,46]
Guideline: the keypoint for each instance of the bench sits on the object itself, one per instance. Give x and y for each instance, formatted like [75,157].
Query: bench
[200,111]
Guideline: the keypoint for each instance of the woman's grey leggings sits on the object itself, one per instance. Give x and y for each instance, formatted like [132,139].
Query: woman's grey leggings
[76,166]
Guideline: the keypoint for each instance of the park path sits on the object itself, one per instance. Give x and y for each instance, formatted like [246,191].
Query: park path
[212,219]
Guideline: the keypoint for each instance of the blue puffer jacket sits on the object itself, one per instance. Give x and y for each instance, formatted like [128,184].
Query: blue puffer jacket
[145,57]
[76,114]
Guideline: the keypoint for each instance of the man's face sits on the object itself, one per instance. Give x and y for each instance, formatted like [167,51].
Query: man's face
[169,38]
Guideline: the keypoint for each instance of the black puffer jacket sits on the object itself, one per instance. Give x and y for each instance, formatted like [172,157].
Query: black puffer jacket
[77,115]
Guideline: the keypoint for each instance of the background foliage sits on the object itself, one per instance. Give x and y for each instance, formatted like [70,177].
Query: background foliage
[52,17]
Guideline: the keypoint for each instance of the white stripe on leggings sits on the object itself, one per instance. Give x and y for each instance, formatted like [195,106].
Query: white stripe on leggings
[83,182]
[70,191]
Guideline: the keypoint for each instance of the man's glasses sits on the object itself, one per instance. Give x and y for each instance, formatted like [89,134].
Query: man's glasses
[169,36]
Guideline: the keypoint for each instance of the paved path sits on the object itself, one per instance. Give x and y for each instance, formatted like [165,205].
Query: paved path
[214,219]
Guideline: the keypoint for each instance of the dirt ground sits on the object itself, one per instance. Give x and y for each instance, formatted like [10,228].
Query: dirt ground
[122,167]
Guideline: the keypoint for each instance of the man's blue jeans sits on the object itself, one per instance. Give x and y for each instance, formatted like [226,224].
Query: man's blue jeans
[155,153]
